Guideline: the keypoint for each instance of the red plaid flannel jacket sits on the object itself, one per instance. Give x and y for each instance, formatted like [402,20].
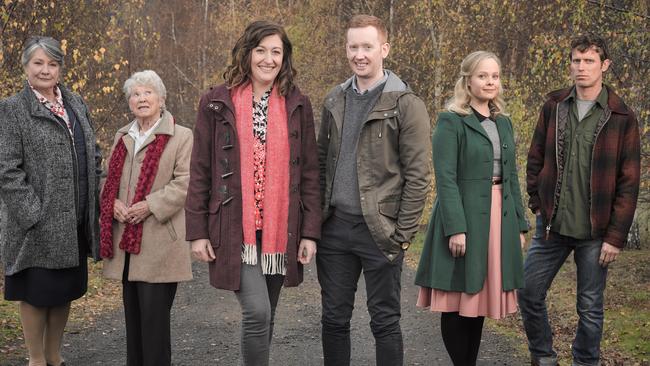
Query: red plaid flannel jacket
[615,166]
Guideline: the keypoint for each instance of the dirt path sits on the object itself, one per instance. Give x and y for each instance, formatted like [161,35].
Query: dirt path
[205,330]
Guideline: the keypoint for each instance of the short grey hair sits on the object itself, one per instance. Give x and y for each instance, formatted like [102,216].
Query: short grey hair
[49,45]
[145,78]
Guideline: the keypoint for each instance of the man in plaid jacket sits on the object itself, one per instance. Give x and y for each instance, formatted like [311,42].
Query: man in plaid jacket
[583,181]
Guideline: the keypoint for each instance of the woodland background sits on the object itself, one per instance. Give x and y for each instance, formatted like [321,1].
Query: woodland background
[188,43]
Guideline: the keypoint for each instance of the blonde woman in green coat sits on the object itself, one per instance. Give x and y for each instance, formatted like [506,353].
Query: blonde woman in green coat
[471,263]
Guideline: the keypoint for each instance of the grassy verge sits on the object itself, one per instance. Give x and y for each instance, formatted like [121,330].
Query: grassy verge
[626,338]
[102,296]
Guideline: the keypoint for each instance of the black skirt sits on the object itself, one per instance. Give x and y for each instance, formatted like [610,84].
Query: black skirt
[44,287]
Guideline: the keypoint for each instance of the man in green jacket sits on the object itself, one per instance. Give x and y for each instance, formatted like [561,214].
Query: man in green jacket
[583,180]
[374,151]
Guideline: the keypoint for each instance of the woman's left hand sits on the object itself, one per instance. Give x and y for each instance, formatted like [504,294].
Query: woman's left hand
[522,240]
[306,251]
[138,212]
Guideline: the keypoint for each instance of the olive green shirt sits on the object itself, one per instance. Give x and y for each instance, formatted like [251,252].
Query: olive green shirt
[573,217]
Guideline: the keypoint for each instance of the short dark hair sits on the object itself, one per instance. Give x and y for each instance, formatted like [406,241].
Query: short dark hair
[239,71]
[364,20]
[586,41]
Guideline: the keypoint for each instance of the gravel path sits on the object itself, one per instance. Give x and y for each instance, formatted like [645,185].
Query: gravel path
[205,330]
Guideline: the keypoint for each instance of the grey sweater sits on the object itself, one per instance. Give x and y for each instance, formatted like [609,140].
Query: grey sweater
[345,191]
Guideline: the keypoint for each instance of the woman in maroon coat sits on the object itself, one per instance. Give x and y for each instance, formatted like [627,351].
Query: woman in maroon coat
[253,203]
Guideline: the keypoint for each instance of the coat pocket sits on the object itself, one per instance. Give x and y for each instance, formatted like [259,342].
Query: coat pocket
[214,223]
[389,208]
[171,230]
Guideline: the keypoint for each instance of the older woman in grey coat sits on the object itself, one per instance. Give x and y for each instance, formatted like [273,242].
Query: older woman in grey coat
[49,173]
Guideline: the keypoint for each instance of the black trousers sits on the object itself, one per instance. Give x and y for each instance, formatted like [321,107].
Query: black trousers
[346,249]
[147,308]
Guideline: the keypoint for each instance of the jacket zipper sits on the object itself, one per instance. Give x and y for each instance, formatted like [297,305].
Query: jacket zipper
[557,167]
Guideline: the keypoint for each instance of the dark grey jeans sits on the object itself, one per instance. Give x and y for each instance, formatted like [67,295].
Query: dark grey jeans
[258,297]
[543,261]
[346,249]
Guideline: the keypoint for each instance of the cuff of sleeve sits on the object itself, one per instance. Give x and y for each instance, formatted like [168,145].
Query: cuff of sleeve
[196,226]
[615,239]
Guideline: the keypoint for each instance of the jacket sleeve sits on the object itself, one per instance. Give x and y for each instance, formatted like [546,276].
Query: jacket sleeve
[15,190]
[535,161]
[309,181]
[414,156]
[516,191]
[167,201]
[627,186]
[446,150]
[198,191]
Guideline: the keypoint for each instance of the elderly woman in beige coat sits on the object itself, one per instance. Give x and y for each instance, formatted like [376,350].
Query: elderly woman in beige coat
[142,218]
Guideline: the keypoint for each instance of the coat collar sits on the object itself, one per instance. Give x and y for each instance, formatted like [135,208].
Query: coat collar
[614,102]
[165,127]
[393,89]
[221,95]
[37,109]
[474,124]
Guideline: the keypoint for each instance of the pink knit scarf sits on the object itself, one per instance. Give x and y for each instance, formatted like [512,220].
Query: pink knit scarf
[276,189]
[132,236]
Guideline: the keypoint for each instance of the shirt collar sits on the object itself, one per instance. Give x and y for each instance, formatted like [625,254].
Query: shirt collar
[601,99]
[134,131]
[373,86]
[41,98]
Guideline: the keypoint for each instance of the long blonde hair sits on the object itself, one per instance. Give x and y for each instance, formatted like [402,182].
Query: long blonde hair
[462,95]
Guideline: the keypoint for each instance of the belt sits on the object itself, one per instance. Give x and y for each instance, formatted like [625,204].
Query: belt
[496,181]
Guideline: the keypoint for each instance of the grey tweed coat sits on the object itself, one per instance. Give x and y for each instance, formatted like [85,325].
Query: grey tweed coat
[38,218]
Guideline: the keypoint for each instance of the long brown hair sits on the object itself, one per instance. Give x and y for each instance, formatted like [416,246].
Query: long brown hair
[239,71]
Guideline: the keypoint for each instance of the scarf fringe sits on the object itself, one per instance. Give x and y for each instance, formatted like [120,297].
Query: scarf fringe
[272,263]
[249,254]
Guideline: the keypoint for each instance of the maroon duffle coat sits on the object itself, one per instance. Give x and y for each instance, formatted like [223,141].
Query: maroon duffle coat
[213,209]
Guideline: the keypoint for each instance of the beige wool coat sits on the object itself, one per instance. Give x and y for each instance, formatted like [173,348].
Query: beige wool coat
[164,255]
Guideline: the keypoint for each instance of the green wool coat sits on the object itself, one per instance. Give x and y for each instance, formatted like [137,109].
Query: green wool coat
[463,162]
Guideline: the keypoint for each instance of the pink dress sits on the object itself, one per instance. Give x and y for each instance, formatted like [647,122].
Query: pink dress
[491,301]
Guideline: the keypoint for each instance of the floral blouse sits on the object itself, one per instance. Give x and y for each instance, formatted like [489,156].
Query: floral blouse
[57,107]
[260,114]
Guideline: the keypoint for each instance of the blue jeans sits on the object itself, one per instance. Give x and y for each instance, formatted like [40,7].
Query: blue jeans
[544,259]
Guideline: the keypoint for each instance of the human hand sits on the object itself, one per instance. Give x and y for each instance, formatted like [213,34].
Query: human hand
[202,250]
[608,254]
[120,211]
[457,245]
[306,251]
[522,240]
[138,212]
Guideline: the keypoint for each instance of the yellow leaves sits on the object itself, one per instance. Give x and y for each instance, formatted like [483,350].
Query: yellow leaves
[99,54]
[64,45]
[79,84]
[116,67]
[108,89]
[75,55]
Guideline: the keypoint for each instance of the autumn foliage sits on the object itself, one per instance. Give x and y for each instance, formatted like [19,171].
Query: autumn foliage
[188,43]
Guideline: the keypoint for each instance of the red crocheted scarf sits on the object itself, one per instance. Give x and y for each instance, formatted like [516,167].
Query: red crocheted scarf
[132,236]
